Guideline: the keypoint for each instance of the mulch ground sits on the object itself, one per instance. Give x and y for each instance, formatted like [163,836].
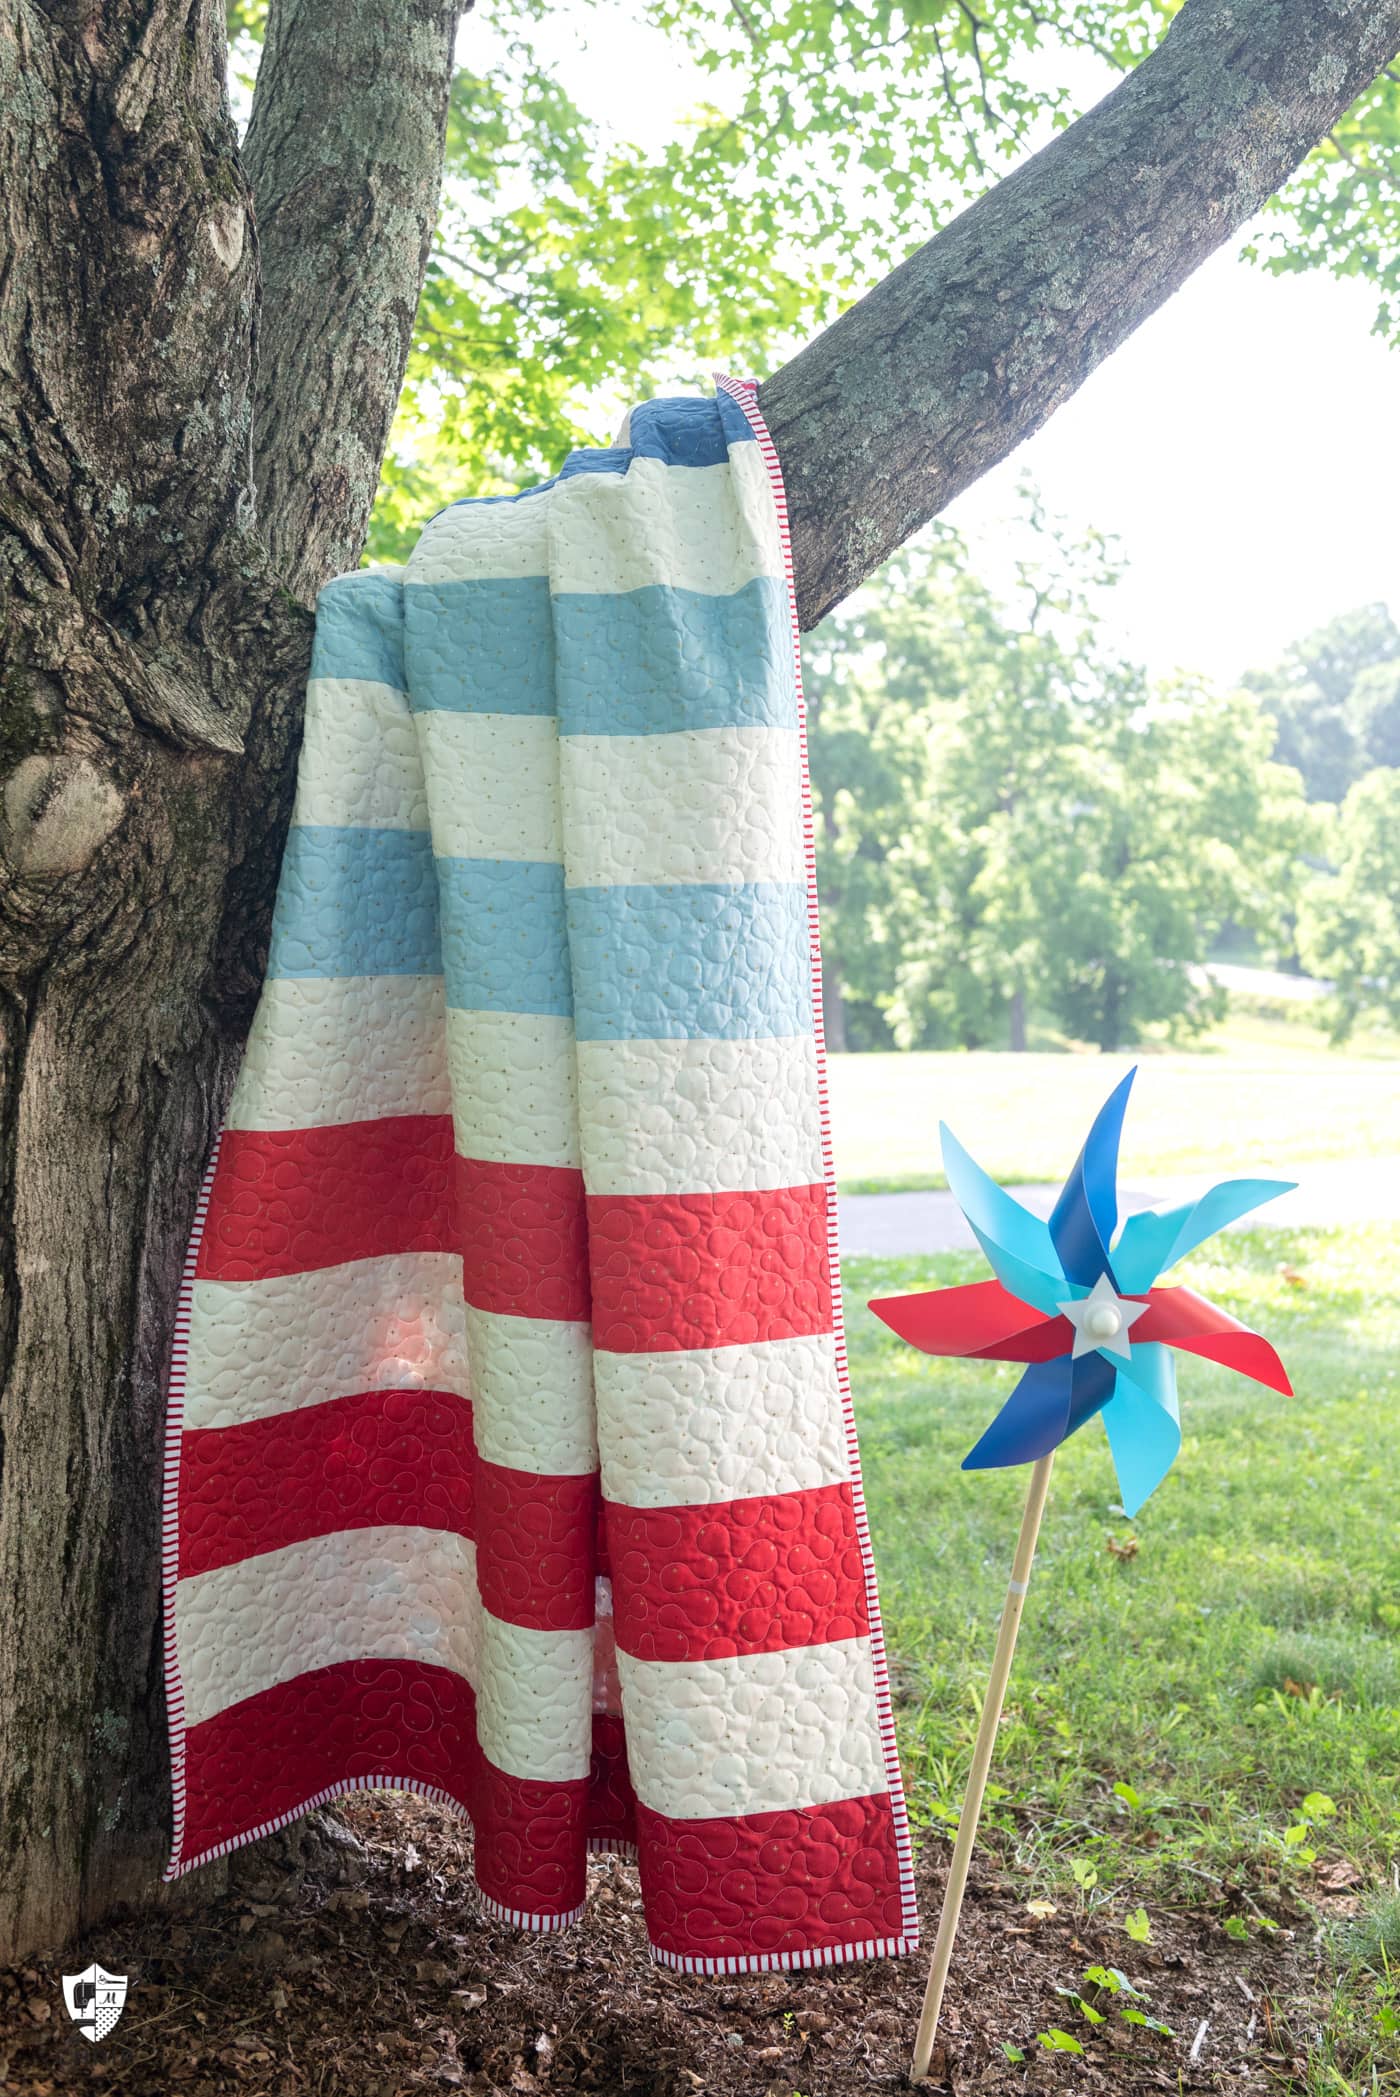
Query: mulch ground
[370,1973]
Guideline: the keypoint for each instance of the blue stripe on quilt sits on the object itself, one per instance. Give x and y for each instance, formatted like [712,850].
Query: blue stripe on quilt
[695,960]
[355,902]
[687,432]
[359,630]
[657,660]
[480,647]
[678,432]
[504,947]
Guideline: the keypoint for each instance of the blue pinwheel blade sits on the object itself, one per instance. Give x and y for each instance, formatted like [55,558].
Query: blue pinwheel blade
[1143,1420]
[1018,1245]
[1051,1400]
[1033,1421]
[1084,1218]
[1156,1239]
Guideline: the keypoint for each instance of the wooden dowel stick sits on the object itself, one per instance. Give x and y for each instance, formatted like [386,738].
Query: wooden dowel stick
[981,1764]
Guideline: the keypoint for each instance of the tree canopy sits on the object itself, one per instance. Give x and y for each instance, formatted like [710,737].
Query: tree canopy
[573,268]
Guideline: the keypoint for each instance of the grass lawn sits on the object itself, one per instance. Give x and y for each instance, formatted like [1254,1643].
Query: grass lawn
[1276,1104]
[1172,1708]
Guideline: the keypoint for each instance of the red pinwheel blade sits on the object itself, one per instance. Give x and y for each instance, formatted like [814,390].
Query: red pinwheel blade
[980,1318]
[1183,1319]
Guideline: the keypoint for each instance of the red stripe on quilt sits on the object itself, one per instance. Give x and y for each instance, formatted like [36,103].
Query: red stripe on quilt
[739,1576]
[403,1457]
[766,1883]
[288,1201]
[524,1239]
[612,1803]
[530,1850]
[679,1271]
[402,1721]
[536,1547]
[262,1758]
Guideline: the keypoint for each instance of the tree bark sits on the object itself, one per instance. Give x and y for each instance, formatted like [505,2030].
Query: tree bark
[345,156]
[153,654]
[971,344]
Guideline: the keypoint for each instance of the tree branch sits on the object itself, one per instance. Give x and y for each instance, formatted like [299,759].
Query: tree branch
[345,151]
[972,344]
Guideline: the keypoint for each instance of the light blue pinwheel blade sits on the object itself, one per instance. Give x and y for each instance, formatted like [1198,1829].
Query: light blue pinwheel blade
[1083,1220]
[1018,1245]
[1156,1239]
[1143,1420]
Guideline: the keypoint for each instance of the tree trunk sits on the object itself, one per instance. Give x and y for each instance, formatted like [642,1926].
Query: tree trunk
[154,649]
[833,1006]
[150,675]
[1110,1012]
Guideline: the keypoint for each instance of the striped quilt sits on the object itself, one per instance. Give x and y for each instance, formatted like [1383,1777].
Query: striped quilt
[511,1455]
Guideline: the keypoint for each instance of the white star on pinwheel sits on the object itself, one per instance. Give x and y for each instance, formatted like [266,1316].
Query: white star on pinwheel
[1101,1320]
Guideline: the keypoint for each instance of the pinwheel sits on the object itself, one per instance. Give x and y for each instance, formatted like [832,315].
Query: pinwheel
[1096,1333]
[1091,1324]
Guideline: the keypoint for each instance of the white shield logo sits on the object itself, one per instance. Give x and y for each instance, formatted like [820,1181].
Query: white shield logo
[94,2000]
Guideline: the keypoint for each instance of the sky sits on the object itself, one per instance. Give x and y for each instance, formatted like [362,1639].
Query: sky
[1243,445]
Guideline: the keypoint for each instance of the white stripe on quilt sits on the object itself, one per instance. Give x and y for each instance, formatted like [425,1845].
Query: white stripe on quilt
[725,1423]
[759,1733]
[482,542]
[706,528]
[258,1348]
[359,758]
[514,1088]
[328,1049]
[534,1701]
[534,1405]
[708,804]
[357,1594]
[697,1116]
[492,784]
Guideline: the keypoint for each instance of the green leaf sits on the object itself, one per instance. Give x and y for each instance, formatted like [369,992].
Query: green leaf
[1149,2023]
[1235,1926]
[1013,2053]
[1138,1926]
[1318,1806]
[1059,2041]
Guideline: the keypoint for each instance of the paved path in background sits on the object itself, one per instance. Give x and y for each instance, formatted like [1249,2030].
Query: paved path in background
[1364,1190]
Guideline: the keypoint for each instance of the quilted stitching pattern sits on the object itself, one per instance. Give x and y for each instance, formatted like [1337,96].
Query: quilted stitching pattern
[511,1451]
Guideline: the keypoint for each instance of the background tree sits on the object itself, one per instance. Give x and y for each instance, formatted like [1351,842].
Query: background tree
[1373,712]
[1349,928]
[200,354]
[1014,822]
[1334,699]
